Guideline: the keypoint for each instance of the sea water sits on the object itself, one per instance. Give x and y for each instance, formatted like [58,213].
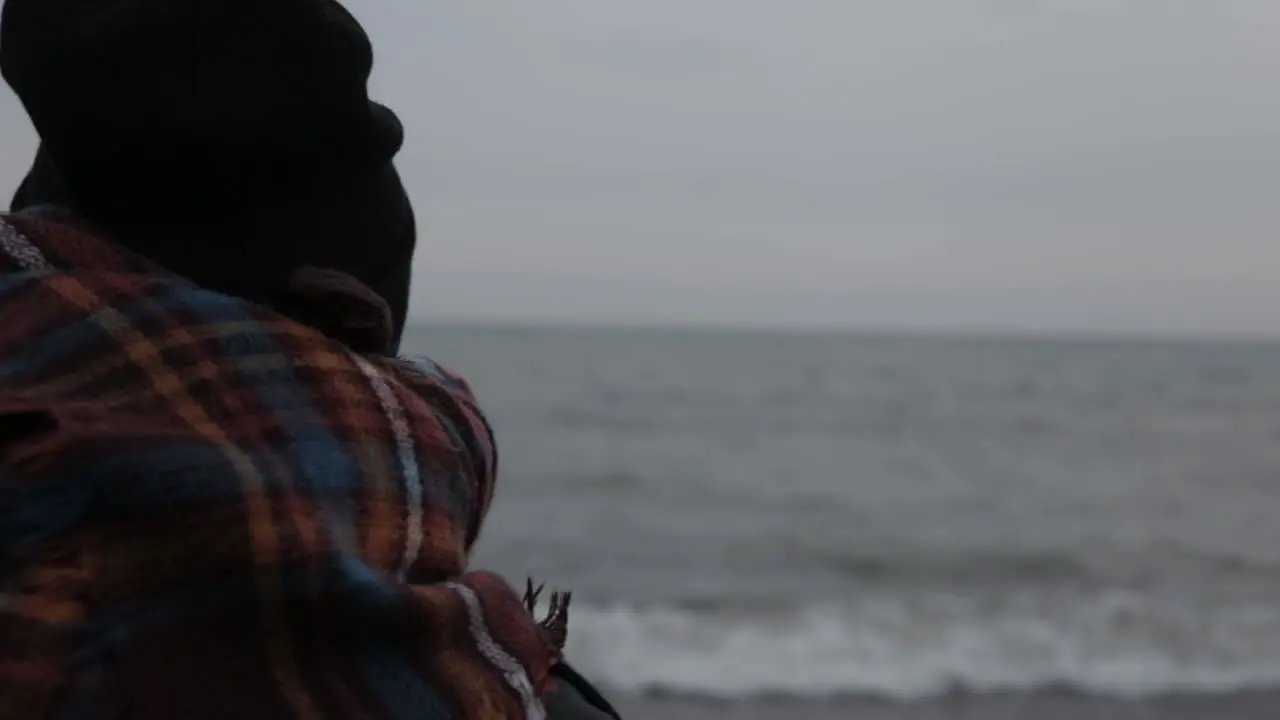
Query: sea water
[799,525]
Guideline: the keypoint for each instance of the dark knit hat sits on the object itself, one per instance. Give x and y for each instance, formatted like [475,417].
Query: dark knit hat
[192,104]
[233,140]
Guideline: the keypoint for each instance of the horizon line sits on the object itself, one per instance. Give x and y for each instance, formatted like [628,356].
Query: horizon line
[905,331]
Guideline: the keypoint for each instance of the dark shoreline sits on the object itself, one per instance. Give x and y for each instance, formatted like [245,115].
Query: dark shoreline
[1250,705]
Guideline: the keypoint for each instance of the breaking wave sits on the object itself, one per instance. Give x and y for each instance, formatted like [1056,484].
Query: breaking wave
[1115,644]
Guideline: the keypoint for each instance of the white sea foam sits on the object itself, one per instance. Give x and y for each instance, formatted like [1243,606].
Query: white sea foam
[1114,646]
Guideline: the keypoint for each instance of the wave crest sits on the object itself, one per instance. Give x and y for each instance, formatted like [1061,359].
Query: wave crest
[1114,645]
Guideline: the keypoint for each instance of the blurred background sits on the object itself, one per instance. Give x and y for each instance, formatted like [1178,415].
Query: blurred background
[864,358]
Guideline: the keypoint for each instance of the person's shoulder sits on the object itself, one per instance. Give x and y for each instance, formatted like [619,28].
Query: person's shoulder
[454,410]
[52,239]
[419,369]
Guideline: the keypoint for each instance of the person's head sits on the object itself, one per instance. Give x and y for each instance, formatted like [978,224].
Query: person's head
[230,140]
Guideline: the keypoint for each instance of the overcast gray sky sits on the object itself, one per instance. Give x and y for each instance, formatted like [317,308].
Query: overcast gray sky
[1052,164]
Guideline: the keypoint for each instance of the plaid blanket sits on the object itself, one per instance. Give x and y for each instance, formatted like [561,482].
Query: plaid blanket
[208,510]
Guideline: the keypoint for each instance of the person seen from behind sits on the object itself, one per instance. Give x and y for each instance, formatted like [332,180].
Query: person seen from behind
[222,493]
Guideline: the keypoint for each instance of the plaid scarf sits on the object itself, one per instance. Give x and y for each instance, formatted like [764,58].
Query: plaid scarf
[208,510]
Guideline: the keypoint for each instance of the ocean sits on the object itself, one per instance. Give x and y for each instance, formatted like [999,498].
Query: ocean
[797,525]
